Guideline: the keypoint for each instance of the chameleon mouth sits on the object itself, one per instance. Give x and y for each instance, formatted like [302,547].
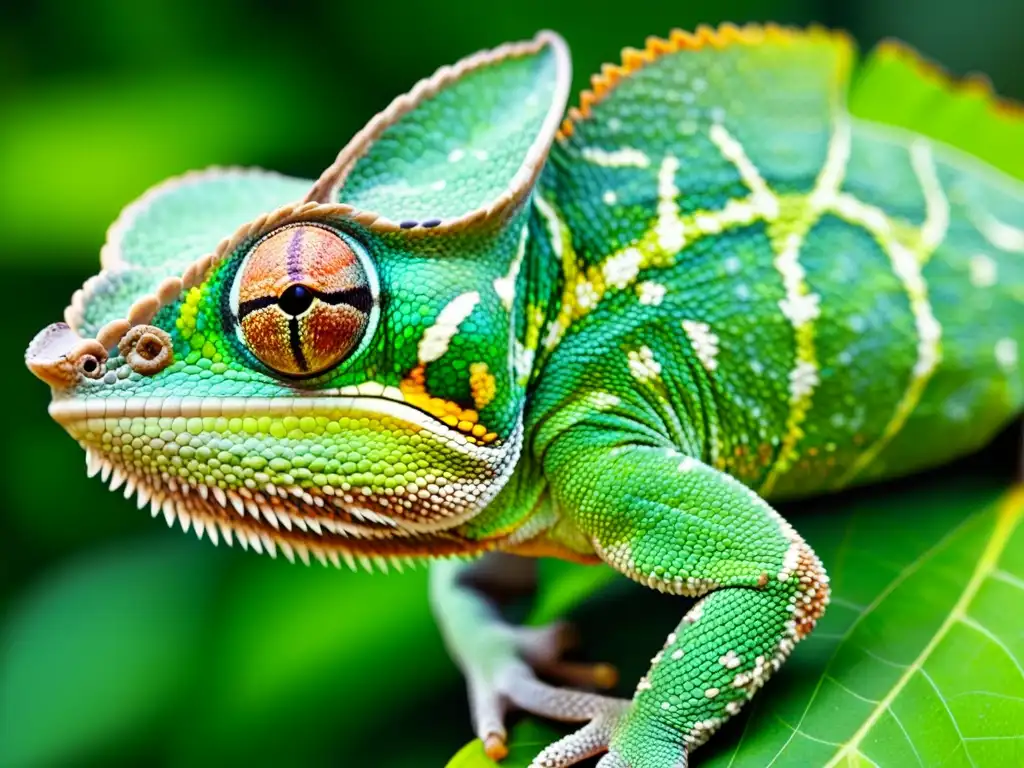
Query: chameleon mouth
[214,466]
[70,412]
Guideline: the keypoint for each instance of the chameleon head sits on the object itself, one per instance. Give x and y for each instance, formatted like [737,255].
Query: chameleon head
[319,390]
[344,374]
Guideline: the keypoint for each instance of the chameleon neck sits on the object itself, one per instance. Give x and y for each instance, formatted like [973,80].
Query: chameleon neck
[521,512]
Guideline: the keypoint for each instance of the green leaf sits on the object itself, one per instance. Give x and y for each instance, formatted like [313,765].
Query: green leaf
[564,585]
[100,651]
[918,661]
[527,739]
[920,658]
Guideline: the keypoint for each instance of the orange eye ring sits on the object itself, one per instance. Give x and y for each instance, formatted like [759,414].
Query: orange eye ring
[303,299]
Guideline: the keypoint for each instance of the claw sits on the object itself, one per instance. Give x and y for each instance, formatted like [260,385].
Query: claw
[488,709]
[542,647]
[600,675]
[494,746]
[515,684]
[502,662]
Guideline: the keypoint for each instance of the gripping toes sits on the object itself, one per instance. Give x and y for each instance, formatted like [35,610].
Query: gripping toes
[510,681]
[592,739]
[501,661]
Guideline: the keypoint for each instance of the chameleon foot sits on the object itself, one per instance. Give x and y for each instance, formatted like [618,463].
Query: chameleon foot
[592,739]
[501,662]
[503,676]
[518,687]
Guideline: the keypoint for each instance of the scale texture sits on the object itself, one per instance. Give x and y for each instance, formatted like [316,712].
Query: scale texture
[744,268]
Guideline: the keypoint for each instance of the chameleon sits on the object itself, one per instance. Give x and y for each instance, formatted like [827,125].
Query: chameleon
[744,268]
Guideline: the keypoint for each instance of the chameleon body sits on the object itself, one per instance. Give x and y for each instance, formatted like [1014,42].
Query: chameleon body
[729,276]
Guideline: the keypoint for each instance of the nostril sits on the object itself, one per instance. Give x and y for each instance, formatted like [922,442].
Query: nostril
[90,365]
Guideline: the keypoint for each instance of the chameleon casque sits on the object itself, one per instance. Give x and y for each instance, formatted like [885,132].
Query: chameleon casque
[742,270]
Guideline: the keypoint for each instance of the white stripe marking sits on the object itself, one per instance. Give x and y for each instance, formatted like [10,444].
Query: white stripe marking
[556,228]
[936,222]
[669,229]
[621,269]
[643,365]
[761,196]
[801,306]
[1001,235]
[907,268]
[505,286]
[624,157]
[437,337]
[831,177]
[704,342]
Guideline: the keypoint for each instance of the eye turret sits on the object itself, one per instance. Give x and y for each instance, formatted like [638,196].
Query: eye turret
[302,299]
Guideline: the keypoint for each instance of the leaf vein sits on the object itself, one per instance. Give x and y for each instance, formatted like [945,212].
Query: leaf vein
[850,690]
[981,628]
[901,576]
[806,735]
[945,704]
[910,741]
[877,657]
[1008,578]
[1008,514]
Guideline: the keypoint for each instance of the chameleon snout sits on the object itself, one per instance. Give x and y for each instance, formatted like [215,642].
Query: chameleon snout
[60,357]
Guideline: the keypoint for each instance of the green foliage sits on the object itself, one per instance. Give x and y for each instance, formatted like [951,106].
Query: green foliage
[209,655]
[98,652]
[113,137]
[528,738]
[919,658]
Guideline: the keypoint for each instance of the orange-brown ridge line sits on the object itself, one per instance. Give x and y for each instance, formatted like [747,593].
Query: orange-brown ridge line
[603,83]
[327,187]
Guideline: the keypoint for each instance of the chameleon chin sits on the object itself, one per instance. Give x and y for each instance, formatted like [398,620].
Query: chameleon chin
[618,334]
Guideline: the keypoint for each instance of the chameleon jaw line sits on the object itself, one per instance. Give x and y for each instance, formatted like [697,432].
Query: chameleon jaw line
[69,412]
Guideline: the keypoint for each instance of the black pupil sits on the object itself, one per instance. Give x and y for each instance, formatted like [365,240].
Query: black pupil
[89,364]
[295,300]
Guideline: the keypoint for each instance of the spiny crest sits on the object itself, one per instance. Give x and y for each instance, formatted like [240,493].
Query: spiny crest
[633,60]
[302,536]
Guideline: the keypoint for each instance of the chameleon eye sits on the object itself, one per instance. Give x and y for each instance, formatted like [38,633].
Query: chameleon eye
[302,299]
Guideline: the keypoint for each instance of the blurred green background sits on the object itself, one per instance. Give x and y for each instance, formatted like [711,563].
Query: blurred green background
[121,643]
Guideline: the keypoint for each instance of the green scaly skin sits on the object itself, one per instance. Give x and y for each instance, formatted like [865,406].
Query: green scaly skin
[729,277]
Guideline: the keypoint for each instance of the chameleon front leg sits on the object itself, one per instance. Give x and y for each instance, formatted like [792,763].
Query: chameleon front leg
[501,661]
[677,525]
